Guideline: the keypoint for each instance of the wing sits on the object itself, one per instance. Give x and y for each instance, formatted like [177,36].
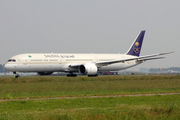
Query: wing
[142,58]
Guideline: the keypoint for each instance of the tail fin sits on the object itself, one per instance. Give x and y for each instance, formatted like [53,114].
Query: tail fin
[135,48]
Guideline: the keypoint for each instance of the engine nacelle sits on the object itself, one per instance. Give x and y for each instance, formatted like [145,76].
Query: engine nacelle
[88,69]
[45,73]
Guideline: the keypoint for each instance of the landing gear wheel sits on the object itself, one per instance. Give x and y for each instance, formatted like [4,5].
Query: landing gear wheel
[17,76]
[71,75]
[96,75]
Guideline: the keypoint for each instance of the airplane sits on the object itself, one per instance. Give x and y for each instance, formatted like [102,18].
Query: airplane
[85,64]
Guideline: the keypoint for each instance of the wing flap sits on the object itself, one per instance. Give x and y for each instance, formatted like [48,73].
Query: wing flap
[151,58]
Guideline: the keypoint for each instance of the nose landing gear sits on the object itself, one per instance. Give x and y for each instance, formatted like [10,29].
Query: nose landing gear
[17,75]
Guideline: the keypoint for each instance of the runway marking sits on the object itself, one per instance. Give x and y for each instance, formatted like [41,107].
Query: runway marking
[106,96]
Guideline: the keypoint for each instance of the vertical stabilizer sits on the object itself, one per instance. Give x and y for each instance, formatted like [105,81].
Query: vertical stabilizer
[135,48]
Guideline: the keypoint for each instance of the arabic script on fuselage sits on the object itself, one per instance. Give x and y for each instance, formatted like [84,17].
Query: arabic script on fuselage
[59,56]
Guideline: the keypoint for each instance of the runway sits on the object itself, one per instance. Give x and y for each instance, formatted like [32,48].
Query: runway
[105,96]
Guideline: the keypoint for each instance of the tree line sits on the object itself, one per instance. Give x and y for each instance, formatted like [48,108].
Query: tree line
[2,69]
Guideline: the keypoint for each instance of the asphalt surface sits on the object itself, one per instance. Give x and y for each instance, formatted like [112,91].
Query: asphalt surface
[106,96]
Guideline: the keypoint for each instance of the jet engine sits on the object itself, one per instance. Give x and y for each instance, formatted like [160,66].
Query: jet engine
[88,69]
[45,73]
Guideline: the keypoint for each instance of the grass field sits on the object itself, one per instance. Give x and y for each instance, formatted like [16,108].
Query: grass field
[144,107]
[141,107]
[33,87]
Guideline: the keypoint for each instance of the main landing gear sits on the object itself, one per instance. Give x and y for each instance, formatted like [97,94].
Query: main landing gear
[17,75]
[96,75]
[71,74]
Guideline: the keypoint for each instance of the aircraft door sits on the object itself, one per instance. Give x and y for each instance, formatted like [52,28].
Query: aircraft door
[95,59]
[60,61]
[24,61]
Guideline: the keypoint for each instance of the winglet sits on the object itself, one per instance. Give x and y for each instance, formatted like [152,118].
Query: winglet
[135,48]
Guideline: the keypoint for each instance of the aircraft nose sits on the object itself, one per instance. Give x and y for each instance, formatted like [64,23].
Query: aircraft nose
[6,67]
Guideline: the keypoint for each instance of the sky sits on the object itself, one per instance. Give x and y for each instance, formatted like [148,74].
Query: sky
[90,26]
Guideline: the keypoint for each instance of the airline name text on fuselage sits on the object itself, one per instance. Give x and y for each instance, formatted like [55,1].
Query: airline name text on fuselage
[59,56]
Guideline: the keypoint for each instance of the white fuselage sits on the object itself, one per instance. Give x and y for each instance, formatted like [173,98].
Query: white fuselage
[57,62]
[86,64]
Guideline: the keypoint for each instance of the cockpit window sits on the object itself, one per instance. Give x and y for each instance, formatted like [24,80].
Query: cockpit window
[11,60]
